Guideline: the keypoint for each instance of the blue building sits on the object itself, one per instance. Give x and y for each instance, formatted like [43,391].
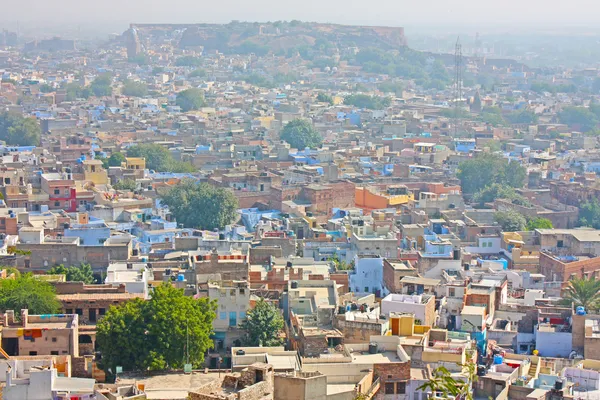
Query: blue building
[93,233]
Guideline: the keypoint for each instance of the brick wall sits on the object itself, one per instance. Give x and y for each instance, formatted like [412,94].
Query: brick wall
[552,267]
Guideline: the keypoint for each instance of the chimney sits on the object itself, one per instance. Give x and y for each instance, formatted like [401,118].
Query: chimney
[24,315]
[10,318]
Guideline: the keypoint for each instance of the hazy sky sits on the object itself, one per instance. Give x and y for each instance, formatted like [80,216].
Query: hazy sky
[518,14]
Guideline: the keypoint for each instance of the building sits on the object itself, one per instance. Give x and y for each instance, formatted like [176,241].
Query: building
[422,306]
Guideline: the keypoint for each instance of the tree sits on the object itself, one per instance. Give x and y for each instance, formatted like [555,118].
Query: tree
[188,61]
[486,169]
[190,99]
[27,292]
[80,273]
[589,214]
[18,130]
[340,265]
[325,98]
[159,159]
[45,88]
[391,87]
[201,205]
[538,223]
[366,101]
[510,221]
[452,388]
[115,160]
[101,86]
[493,192]
[583,292]
[523,117]
[126,184]
[75,91]
[135,89]
[578,117]
[197,73]
[158,334]
[300,134]
[263,325]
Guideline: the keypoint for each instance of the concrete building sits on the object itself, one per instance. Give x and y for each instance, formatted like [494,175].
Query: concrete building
[135,276]
[422,306]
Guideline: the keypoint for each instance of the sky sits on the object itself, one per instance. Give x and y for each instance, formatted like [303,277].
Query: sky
[116,14]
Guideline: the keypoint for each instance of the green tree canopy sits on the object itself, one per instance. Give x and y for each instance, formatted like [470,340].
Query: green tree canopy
[17,130]
[263,325]
[510,221]
[579,118]
[324,98]
[583,292]
[391,87]
[197,73]
[75,91]
[589,214]
[134,88]
[154,334]
[101,86]
[115,159]
[522,117]
[201,206]
[300,134]
[159,158]
[538,223]
[75,273]
[366,101]
[188,61]
[126,184]
[27,292]
[190,99]
[486,169]
[493,192]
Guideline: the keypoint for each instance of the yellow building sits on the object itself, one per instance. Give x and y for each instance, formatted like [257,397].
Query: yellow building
[135,163]
[94,172]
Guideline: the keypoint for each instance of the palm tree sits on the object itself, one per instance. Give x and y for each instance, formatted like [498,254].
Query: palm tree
[583,292]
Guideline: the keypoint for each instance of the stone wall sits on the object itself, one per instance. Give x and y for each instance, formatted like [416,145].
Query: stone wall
[556,270]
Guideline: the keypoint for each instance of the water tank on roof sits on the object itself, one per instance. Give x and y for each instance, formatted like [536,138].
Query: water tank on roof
[580,310]
[498,359]
[373,348]
[180,278]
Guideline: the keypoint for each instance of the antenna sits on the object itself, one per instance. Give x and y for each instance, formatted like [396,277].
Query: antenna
[457,85]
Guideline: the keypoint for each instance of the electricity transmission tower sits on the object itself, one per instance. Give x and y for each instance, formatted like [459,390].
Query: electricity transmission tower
[457,86]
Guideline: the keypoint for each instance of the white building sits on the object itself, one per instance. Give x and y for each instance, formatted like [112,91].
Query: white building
[135,277]
[367,276]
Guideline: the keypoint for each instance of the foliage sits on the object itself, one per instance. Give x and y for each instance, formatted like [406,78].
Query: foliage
[341,265]
[154,335]
[27,292]
[18,130]
[300,134]
[75,91]
[583,292]
[263,325]
[190,99]
[188,61]
[158,158]
[492,116]
[45,88]
[258,80]
[581,117]
[522,117]
[101,86]
[135,89]
[324,98]
[200,205]
[115,160]
[487,169]
[538,223]
[452,388]
[366,101]
[510,221]
[248,47]
[589,213]
[541,87]
[391,87]
[140,59]
[157,70]
[493,192]
[197,73]
[81,273]
[126,185]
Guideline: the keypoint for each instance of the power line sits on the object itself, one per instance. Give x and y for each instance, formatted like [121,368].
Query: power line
[457,85]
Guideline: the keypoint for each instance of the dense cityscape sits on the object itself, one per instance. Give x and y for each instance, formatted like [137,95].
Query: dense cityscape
[296,210]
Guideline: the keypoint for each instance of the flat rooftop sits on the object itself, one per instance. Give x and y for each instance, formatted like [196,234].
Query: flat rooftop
[377,358]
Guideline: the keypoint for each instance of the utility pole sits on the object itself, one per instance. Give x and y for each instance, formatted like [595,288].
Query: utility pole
[457,86]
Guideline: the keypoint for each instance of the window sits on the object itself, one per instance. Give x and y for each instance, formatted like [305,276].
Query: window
[489,244]
[389,388]
[483,244]
[69,311]
[242,314]
[56,191]
[559,243]
[79,311]
[232,318]
[102,311]
[242,291]
[53,353]
[33,353]
[451,292]
[222,315]
[366,289]
[401,388]
[53,340]
[523,347]
[57,204]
